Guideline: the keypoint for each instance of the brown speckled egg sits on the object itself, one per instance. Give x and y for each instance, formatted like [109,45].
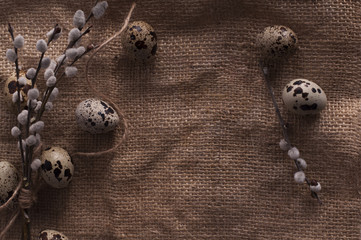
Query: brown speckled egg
[140,41]
[51,235]
[96,116]
[9,180]
[57,167]
[276,42]
[304,97]
[10,88]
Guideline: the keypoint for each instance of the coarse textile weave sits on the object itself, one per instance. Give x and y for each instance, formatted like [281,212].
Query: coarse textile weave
[202,160]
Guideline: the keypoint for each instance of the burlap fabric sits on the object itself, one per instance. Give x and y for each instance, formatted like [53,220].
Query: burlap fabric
[202,160]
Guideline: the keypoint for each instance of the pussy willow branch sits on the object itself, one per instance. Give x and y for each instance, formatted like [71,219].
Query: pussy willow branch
[29,149]
[72,43]
[26,159]
[58,66]
[49,90]
[265,71]
[26,226]
[11,31]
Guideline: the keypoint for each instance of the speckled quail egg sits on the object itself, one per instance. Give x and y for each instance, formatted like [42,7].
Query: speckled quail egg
[57,167]
[303,97]
[10,88]
[96,116]
[51,235]
[140,41]
[9,180]
[276,42]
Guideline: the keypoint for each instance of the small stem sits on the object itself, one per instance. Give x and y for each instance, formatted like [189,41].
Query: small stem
[30,152]
[54,32]
[26,235]
[265,72]
[87,19]
[269,87]
[33,80]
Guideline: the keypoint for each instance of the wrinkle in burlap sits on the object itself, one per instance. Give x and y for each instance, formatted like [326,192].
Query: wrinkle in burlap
[202,160]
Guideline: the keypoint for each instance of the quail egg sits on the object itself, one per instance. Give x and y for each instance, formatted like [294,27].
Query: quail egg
[304,97]
[57,167]
[276,42]
[96,116]
[9,180]
[51,235]
[140,41]
[11,87]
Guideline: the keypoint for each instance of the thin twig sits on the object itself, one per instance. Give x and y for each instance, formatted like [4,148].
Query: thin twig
[11,31]
[269,87]
[265,72]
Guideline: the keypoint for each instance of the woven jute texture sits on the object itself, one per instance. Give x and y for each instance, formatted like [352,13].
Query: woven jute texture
[202,160]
